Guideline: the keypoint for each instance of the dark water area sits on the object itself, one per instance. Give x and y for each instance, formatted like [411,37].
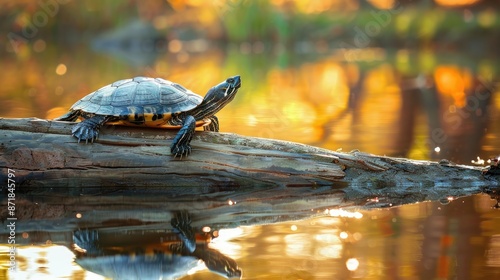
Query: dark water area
[417,81]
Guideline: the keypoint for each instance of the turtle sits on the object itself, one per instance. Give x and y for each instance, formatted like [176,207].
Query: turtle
[153,102]
[167,260]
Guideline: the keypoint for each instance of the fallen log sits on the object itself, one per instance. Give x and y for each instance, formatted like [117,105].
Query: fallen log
[129,177]
[44,154]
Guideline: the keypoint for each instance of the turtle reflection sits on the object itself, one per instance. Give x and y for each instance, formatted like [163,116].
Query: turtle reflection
[172,258]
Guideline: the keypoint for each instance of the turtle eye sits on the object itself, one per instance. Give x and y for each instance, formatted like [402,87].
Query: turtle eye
[230,80]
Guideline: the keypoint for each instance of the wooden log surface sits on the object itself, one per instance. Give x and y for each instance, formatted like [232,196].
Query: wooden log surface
[44,154]
[129,174]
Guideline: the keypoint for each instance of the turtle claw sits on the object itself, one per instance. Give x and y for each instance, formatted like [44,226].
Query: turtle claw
[181,151]
[86,241]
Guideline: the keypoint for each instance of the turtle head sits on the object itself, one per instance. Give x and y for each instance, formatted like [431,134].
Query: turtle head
[224,92]
[217,97]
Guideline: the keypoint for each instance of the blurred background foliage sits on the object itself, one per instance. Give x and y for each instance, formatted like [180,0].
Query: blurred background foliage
[405,23]
[384,76]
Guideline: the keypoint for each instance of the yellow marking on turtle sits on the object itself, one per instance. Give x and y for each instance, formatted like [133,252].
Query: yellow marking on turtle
[158,122]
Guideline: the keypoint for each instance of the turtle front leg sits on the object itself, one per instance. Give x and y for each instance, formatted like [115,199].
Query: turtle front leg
[181,222]
[213,126]
[180,145]
[88,129]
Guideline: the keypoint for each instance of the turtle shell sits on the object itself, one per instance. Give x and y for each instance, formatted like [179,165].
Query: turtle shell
[153,266]
[139,101]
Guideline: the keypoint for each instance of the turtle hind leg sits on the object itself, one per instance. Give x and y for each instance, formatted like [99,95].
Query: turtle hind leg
[180,145]
[213,126]
[86,242]
[88,129]
[71,116]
